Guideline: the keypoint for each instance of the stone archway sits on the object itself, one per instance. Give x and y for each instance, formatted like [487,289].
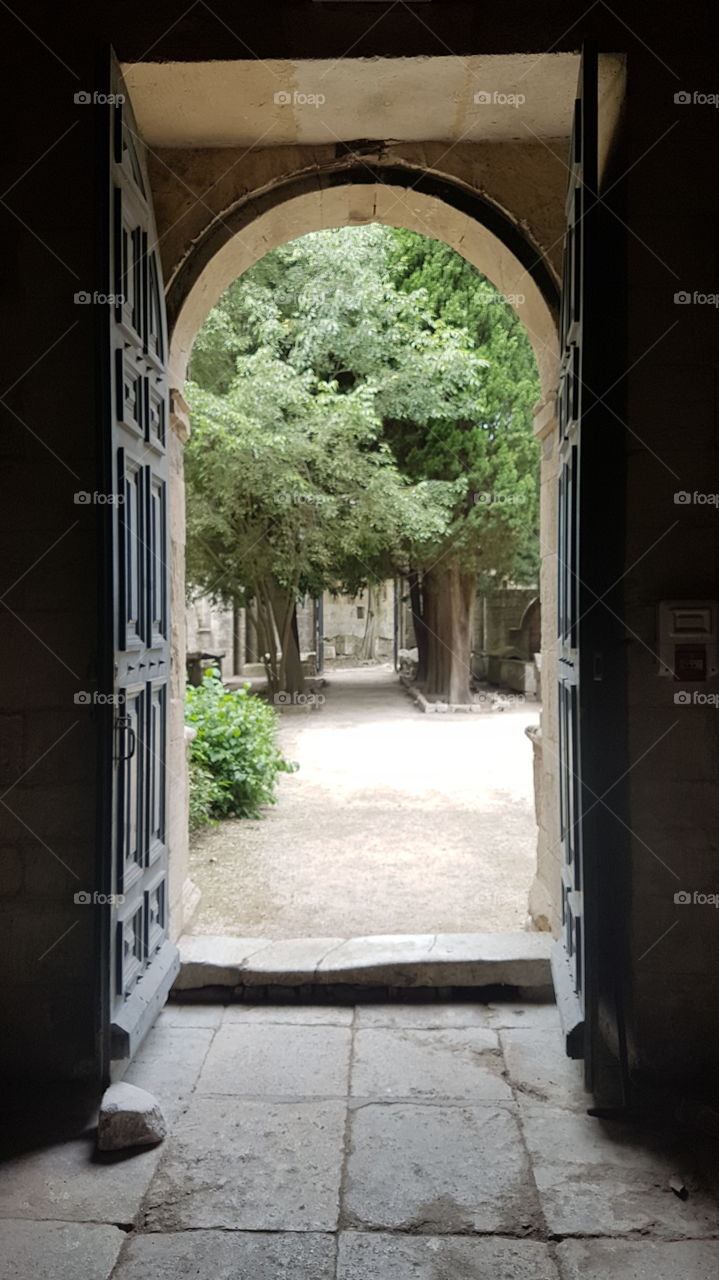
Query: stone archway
[492,242]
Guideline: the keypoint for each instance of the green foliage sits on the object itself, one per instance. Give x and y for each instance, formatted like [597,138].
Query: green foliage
[289,482]
[234,760]
[204,795]
[393,389]
[494,448]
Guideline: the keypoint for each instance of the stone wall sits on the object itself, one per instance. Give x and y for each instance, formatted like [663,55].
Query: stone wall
[53,629]
[345,619]
[544,896]
[498,614]
[209,628]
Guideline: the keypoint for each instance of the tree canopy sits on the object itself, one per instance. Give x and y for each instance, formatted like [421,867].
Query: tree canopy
[361,406]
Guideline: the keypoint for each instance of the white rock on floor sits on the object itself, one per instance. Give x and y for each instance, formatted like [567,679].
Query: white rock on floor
[129,1117]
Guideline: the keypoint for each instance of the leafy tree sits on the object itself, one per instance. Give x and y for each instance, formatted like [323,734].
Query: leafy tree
[289,487]
[379,379]
[489,456]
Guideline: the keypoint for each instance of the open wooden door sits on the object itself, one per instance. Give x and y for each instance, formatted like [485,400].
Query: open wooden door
[143,962]
[570,961]
[587,960]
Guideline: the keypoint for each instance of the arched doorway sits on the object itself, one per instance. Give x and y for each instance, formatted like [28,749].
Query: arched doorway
[359,184]
[432,206]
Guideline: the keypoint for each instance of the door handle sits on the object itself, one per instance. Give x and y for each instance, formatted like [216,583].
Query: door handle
[124,725]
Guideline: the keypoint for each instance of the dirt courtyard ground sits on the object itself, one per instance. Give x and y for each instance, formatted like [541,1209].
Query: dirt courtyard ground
[396,822]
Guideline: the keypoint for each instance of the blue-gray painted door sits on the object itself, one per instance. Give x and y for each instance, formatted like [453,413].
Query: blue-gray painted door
[143,961]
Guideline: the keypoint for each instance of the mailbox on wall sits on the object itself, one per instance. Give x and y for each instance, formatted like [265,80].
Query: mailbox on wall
[688,649]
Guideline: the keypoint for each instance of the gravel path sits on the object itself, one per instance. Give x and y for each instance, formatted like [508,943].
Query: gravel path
[396,822]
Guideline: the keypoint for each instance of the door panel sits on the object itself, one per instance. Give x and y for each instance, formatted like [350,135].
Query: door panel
[570,959]
[143,962]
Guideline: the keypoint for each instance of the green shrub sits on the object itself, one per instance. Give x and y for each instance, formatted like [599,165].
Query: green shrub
[203,795]
[234,759]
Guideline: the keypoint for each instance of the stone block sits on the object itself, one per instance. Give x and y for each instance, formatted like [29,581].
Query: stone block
[250,1166]
[227,1255]
[169,1060]
[58,1250]
[280,1061]
[288,962]
[600,1178]
[364,1256]
[129,1117]
[289,1015]
[428,1064]
[435,1169]
[214,961]
[638,1259]
[539,1067]
[427,1016]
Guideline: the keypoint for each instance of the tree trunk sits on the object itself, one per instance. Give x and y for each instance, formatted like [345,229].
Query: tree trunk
[449,594]
[290,677]
[420,628]
[266,639]
[367,648]
[294,675]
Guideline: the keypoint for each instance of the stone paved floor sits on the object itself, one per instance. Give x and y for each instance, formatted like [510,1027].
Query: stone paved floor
[396,822]
[383,1142]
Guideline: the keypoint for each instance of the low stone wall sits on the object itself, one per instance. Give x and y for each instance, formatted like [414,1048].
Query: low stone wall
[511,673]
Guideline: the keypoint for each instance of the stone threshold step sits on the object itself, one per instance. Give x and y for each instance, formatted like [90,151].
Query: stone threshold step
[388,960]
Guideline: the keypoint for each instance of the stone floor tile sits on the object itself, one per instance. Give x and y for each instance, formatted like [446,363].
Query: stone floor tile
[638,1259]
[529,1014]
[299,1015]
[278,1061]
[58,1250]
[228,1255]
[406,1063]
[438,1170]
[539,1067]
[70,1182]
[168,1064]
[425,1016]
[191,1015]
[250,1166]
[374,1256]
[609,1178]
